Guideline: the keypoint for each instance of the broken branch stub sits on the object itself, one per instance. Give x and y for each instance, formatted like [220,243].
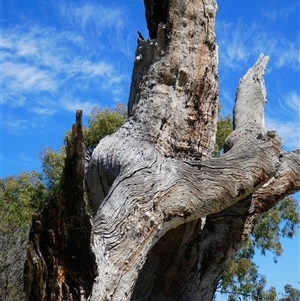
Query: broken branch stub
[248,114]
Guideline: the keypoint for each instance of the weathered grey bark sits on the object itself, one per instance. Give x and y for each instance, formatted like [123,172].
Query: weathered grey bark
[168,216]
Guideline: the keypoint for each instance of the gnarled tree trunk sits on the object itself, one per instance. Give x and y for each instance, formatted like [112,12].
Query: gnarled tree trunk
[168,216]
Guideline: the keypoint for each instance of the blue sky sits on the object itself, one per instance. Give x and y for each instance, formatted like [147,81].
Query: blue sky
[59,56]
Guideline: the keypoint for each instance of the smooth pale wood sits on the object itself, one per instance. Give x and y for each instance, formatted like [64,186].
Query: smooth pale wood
[248,114]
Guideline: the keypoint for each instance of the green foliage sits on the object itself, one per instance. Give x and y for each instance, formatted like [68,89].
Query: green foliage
[52,165]
[20,197]
[224,129]
[281,221]
[102,123]
[291,294]
[24,195]
[241,280]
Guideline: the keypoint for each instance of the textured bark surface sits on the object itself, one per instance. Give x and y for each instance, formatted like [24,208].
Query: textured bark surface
[158,203]
[174,90]
[168,216]
[60,264]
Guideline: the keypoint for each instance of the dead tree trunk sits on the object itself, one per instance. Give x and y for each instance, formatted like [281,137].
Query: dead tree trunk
[168,216]
[60,264]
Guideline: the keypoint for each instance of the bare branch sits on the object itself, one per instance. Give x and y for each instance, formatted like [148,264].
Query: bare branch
[285,182]
[249,106]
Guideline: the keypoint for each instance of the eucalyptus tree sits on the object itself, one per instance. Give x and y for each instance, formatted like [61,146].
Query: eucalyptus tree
[168,215]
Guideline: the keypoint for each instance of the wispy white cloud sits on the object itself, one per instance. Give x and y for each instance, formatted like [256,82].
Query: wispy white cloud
[287,130]
[73,105]
[279,14]
[23,48]
[285,119]
[17,126]
[45,70]
[99,69]
[42,111]
[93,15]
[287,106]
[23,77]
[97,21]
[283,52]
[234,43]
[293,101]
[33,121]
[27,159]
[238,43]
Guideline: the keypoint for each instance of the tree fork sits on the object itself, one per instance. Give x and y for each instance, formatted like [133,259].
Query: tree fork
[210,252]
[158,180]
[167,216]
